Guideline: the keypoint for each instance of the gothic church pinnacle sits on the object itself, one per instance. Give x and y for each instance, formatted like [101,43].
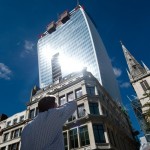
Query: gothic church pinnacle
[135,68]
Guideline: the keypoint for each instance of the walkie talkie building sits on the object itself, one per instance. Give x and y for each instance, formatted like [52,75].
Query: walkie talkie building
[71,44]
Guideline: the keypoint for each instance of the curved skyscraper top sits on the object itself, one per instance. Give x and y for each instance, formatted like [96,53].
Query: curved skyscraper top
[71,44]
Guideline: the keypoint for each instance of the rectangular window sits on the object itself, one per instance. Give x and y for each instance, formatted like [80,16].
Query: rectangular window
[65,141]
[99,134]
[70,96]
[84,136]
[94,108]
[73,116]
[8,123]
[31,115]
[73,138]
[78,93]
[12,134]
[15,121]
[3,148]
[62,100]
[145,85]
[16,133]
[21,118]
[6,137]
[37,111]
[90,90]
[14,146]
[81,111]
[20,131]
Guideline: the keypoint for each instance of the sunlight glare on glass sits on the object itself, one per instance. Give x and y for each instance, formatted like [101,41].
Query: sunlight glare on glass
[70,64]
[46,54]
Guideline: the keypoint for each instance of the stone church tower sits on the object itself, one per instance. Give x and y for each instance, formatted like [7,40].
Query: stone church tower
[139,76]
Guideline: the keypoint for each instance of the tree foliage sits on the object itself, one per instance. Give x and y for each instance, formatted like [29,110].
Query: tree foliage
[147,113]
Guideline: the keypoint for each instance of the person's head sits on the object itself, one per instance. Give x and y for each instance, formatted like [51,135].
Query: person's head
[46,103]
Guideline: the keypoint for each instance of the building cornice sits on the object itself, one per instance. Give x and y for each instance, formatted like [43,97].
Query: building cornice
[15,125]
[140,78]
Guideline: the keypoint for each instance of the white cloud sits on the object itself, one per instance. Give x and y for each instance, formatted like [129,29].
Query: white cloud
[125,85]
[28,48]
[117,72]
[5,72]
[28,45]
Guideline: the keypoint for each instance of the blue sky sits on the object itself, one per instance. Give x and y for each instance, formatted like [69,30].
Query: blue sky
[23,21]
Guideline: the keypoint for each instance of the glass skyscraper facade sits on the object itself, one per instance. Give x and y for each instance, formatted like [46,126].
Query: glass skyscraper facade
[77,44]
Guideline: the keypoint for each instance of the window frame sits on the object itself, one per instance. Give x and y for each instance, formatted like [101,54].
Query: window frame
[83,113]
[32,110]
[80,91]
[6,135]
[16,133]
[72,94]
[73,115]
[63,97]
[93,108]
[36,111]
[21,118]
[3,148]
[90,90]
[145,86]
[75,140]
[66,144]
[99,133]
[85,140]
[10,147]
[8,124]
[15,121]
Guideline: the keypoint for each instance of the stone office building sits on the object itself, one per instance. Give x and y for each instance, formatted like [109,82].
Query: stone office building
[11,130]
[98,123]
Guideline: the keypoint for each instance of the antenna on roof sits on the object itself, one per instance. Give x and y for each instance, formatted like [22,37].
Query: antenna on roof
[78,3]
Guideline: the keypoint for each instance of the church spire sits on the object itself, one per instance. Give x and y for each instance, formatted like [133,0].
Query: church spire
[135,69]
